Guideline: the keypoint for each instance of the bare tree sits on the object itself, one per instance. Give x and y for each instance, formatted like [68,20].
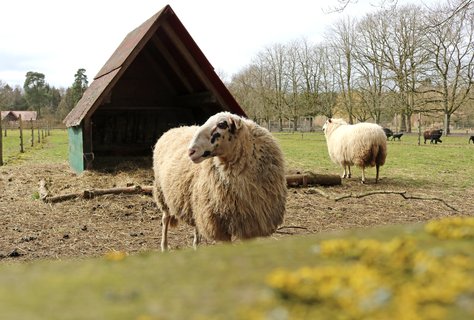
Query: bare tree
[404,56]
[452,56]
[341,5]
[372,77]
[272,61]
[244,89]
[293,74]
[309,59]
[329,83]
[342,43]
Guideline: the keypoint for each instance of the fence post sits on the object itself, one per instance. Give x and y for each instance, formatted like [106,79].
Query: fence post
[21,134]
[32,133]
[1,144]
[419,128]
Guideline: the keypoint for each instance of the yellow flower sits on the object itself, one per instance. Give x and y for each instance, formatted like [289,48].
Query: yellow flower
[115,255]
[379,280]
[356,288]
[452,228]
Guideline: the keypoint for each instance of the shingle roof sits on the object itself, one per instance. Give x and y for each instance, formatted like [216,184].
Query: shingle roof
[164,38]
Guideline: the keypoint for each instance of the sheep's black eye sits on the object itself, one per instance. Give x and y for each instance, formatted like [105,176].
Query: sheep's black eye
[222,125]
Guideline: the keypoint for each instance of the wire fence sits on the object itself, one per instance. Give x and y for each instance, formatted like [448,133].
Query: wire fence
[20,136]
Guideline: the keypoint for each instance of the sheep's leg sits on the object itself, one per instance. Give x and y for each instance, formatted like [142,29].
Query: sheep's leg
[164,231]
[197,238]
[347,172]
[377,168]
[363,174]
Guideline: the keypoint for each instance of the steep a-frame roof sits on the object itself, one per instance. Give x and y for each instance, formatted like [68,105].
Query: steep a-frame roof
[174,58]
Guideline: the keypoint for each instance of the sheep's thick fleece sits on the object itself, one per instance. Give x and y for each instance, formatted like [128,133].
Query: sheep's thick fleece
[363,144]
[237,193]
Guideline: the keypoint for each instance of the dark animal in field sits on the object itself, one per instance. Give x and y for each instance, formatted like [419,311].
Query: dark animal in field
[397,135]
[471,138]
[388,132]
[433,135]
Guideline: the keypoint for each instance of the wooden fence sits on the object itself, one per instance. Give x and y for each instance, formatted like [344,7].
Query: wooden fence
[31,132]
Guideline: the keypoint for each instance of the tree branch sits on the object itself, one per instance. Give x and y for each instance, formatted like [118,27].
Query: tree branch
[89,194]
[370,193]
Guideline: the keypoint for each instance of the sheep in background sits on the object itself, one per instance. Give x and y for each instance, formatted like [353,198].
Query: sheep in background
[362,144]
[471,138]
[397,135]
[388,132]
[433,135]
[225,178]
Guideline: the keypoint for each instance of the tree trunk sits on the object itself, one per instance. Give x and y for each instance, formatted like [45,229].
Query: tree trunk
[403,122]
[408,123]
[447,122]
[295,123]
[310,178]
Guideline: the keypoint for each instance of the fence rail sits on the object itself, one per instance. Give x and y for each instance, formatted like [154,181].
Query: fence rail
[29,134]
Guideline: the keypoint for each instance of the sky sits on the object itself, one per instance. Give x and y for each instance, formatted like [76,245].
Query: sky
[57,38]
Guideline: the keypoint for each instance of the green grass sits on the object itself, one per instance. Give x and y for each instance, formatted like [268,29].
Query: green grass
[448,165]
[52,149]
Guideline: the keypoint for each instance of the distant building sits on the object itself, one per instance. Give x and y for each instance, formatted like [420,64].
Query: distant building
[14,116]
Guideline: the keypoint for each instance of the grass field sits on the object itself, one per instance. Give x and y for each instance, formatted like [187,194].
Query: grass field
[53,148]
[446,165]
[403,272]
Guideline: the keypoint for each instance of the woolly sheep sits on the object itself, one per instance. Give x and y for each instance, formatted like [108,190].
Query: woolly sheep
[433,135]
[225,178]
[362,144]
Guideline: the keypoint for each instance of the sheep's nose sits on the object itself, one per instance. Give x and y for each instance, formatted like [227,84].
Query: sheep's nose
[191,152]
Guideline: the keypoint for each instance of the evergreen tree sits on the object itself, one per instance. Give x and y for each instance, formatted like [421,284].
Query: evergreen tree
[79,86]
[35,91]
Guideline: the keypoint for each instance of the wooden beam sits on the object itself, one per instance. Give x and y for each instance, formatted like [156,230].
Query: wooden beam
[159,72]
[172,62]
[197,99]
[192,62]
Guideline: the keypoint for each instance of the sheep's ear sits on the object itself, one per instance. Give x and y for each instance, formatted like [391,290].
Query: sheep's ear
[235,124]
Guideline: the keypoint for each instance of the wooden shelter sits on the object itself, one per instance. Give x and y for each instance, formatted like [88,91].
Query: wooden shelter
[156,79]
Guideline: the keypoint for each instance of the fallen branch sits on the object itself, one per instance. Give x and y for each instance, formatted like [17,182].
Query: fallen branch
[43,191]
[310,178]
[292,227]
[369,193]
[320,192]
[288,227]
[292,180]
[89,194]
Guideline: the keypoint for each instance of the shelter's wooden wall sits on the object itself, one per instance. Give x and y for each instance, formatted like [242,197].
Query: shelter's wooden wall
[134,132]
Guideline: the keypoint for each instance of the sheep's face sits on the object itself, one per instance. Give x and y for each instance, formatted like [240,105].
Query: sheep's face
[215,137]
[326,124]
[332,123]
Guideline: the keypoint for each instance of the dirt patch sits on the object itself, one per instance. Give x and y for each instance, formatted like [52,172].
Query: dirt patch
[31,229]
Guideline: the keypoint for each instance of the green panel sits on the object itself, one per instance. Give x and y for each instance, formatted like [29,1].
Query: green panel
[76,152]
